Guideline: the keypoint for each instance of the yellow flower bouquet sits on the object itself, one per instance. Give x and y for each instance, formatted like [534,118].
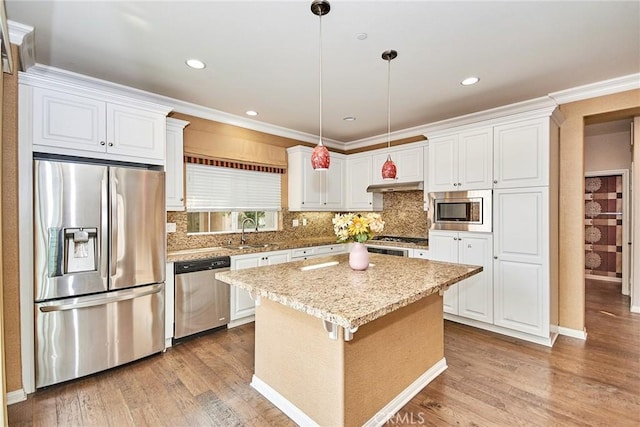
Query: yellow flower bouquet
[359,228]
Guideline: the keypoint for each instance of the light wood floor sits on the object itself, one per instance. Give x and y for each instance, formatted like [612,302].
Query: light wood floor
[491,381]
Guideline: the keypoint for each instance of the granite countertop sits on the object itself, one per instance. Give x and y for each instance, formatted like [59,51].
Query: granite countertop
[216,251]
[345,297]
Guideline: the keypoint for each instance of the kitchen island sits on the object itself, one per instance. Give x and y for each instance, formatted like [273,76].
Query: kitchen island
[341,347]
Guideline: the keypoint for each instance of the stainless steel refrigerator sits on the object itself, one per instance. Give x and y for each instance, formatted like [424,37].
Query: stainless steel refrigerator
[99,259]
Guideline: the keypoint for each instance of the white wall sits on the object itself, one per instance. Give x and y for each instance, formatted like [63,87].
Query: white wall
[609,151]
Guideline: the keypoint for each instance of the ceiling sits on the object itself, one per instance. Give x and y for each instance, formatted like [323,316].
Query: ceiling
[263,55]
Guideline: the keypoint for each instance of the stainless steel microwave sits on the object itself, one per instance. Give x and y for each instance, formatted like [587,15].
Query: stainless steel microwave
[461,210]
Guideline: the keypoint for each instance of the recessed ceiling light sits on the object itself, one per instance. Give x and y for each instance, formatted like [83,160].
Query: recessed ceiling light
[361,36]
[251,113]
[470,81]
[349,119]
[196,64]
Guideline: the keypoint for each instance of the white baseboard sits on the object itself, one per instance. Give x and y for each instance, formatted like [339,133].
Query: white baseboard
[242,321]
[635,308]
[16,396]
[379,419]
[573,333]
[282,403]
[603,278]
[546,341]
[390,409]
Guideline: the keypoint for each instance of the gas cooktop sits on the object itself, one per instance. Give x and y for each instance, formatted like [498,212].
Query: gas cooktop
[400,239]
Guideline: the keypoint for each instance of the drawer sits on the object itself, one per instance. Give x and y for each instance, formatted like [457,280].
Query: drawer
[302,252]
[330,249]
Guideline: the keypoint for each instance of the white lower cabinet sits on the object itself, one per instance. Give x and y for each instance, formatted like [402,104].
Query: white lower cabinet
[473,297]
[242,305]
[318,251]
[523,284]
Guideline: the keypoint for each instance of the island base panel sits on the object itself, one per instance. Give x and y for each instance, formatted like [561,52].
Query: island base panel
[346,383]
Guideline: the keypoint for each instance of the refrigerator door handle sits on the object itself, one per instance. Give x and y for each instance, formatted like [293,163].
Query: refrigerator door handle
[113,222]
[96,301]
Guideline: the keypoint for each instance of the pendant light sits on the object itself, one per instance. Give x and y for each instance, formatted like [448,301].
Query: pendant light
[320,155]
[389,168]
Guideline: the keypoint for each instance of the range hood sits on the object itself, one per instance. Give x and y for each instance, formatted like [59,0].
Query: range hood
[396,186]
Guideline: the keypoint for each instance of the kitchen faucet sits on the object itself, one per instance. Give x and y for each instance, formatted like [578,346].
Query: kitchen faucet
[243,240]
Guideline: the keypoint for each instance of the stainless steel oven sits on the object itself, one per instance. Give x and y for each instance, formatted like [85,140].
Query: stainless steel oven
[461,210]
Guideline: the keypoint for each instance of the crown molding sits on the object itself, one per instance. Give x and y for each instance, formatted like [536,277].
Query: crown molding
[593,90]
[23,36]
[538,107]
[75,79]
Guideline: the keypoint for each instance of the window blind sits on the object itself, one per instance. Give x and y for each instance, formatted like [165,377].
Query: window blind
[211,188]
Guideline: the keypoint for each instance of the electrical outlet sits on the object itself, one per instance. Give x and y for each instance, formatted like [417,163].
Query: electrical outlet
[304,221]
[171,227]
[295,223]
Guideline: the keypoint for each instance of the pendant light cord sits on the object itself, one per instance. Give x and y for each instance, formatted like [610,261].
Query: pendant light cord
[320,73]
[389,103]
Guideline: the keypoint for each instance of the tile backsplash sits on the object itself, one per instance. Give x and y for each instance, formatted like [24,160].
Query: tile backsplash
[403,215]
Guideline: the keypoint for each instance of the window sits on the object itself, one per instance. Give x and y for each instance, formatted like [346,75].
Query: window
[230,222]
[219,199]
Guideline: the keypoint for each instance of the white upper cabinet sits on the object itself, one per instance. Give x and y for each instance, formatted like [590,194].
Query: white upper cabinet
[409,164]
[521,154]
[311,190]
[174,168]
[90,124]
[461,161]
[359,173]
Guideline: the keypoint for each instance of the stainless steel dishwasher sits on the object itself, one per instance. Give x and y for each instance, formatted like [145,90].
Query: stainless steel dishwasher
[201,301]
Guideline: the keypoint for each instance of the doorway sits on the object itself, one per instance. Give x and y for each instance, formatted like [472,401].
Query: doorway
[608,222]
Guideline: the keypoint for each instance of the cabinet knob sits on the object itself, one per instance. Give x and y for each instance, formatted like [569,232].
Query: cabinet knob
[182,199]
[111,144]
[455,238]
[459,184]
[495,181]
[103,143]
[495,257]
[370,203]
[455,184]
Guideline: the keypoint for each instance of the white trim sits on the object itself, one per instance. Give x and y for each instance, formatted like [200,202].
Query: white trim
[538,106]
[593,90]
[635,309]
[379,419]
[573,333]
[626,227]
[16,396]
[241,321]
[282,403]
[391,408]
[546,341]
[604,279]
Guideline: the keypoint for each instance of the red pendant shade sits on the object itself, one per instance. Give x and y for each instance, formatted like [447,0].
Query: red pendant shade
[320,157]
[389,169]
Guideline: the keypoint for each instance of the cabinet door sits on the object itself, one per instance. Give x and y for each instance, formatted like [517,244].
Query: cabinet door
[359,177]
[475,294]
[334,185]
[443,163]
[521,269]
[62,120]
[312,183]
[242,305]
[443,246]
[174,169]
[521,154]
[409,164]
[272,258]
[475,160]
[135,132]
